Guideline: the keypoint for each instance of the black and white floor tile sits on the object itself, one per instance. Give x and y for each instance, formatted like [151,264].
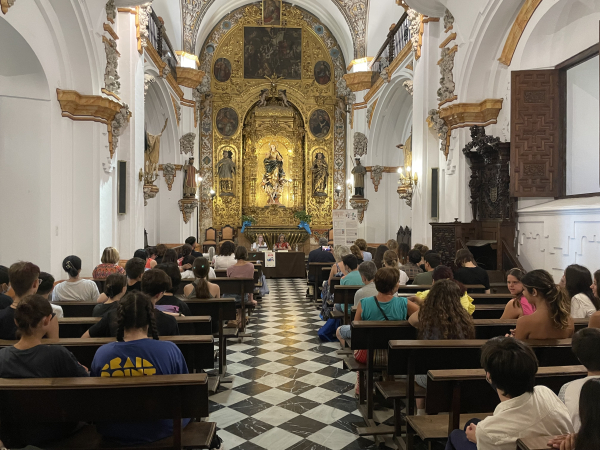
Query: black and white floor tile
[288,389]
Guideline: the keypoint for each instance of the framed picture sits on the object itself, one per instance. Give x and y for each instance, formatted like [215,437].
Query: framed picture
[319,123]
[272,51]
[271,12]
[322,72]
[227,121]
[222,70]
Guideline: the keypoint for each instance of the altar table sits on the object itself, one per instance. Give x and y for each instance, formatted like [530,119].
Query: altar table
[287,264]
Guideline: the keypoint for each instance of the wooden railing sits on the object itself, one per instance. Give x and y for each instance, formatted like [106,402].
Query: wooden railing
[160,41]
[397,38]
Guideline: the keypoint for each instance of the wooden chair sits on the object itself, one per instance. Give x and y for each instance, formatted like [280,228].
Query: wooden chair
[210,239]
[227,234]
[105,399]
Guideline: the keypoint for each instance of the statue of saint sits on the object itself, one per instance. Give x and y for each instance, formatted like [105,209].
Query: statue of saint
[359,172]
[152,151]
[226,171]
[190,185]
[274,177]
[320,171]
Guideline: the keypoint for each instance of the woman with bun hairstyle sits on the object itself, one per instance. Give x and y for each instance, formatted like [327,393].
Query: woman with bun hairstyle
[114,288]
[29,358]
[577,280]
[201,287]
[390,259]
[518,306]
[552,318]
[75,289]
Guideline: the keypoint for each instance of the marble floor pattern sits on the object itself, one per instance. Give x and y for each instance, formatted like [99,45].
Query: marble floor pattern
[288,390]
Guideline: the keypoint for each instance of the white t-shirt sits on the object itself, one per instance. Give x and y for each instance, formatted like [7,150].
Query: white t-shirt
[582,307]
[77,291]
[57,309]
[569,394]
[189,274]
[403,277]
[224,262]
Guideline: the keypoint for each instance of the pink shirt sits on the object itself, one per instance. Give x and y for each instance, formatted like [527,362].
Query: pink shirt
[527,307]
[245,271]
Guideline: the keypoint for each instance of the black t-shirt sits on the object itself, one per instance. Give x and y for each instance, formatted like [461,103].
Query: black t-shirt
[319,255]
[196,254]
[41,361]
[102,308]
[472,275]
[107,327]
[8,329]
[5,301]
[172,300]
[135,287]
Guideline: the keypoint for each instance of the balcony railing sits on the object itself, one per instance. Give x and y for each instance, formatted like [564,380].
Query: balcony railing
[396,40]
[160,41]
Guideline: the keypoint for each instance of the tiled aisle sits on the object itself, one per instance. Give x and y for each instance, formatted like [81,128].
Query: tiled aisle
[289,390]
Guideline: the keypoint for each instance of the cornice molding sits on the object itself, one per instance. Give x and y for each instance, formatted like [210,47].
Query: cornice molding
[110,31]
[399,59]
[462,115]
[189,77]
[359,81]
[516,31]
[370,118]
[366,59]
[160,65]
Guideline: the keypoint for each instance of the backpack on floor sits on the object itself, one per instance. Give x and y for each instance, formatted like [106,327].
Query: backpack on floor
[327,331]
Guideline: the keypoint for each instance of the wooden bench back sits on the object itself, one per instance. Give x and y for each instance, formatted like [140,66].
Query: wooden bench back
[219,309]
[237,286]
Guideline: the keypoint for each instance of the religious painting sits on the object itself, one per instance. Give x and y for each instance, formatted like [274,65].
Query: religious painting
[272,12]
[322,72]
[272,51]
[222,70]
[319,123]
[227,121]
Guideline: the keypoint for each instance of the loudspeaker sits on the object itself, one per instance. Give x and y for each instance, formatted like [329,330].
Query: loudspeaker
[121,187]
[435,193]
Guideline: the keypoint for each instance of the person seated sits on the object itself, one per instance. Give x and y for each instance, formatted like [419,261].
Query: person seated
[411,268]
[551,319]
[424,250]
[170,298]
[392,245]
[29,358]
[150,257]
[588,436]
[441,317]
[281,244]
[110,264]
[242,269]
[362,245]
[445,273]
[171,257]
[383,306]
[367,271]
[403,249]
[192,242]
[5,300]
[586,343]
[188,261]
[595,318]
[432,260]
[577,280]
[24,280]
[146,357]
[357,253]
[319,255]
[468,272]
[161,249]
[115,288]
[352,277]
[154,284]
[518,306]
[260,244]
[134,268]
[45,289]
[75,289]
[201,287]
[390,259]
[186,250]
[378,258]
[226,256]
[338,270]
[525,410]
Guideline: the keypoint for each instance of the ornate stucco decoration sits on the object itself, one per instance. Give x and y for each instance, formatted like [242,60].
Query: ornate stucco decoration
[408,85]
[383,73]
[448,21]
[446,91]
[187,207]
[111,11]
[148,80]
[166,71]
[118,125]
[360,144]
[361,206]
[6,4]
[144,20]
[111,74]
[186,143]
[150,191]
[377,175]
[441,128]
[109,165]
[416,30]
[169,171]
[343,91]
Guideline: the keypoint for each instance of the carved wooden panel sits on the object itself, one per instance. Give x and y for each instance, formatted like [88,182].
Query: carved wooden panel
[444,241]
[536,162]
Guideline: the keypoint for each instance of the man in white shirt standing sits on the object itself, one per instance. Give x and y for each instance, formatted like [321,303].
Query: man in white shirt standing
[524,411]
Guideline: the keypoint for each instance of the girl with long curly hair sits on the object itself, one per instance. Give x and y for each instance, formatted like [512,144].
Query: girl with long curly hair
[552,318]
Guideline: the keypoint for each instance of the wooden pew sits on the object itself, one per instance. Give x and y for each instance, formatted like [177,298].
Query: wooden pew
[460,392]
[101,399]
[315,270]
[408,290]
[493,299]
[488,311]
[77,309]
[72,327]
[534,443]
[198,351]
[238,286]
[344,295]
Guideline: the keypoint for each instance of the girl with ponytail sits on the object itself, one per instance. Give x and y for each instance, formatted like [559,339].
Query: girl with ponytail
[577,280]
[201,287]
[75,288]
[551,319]
[135,354]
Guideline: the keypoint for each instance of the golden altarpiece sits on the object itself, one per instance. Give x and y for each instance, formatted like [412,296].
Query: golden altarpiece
[273,117]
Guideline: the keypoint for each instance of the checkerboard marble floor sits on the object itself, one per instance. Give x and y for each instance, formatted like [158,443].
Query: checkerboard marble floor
[288,389]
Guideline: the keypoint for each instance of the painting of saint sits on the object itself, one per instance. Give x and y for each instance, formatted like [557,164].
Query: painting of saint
[319,123]
[322,72]
[272,12]
[272,51]
[227,121]
[222,70]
